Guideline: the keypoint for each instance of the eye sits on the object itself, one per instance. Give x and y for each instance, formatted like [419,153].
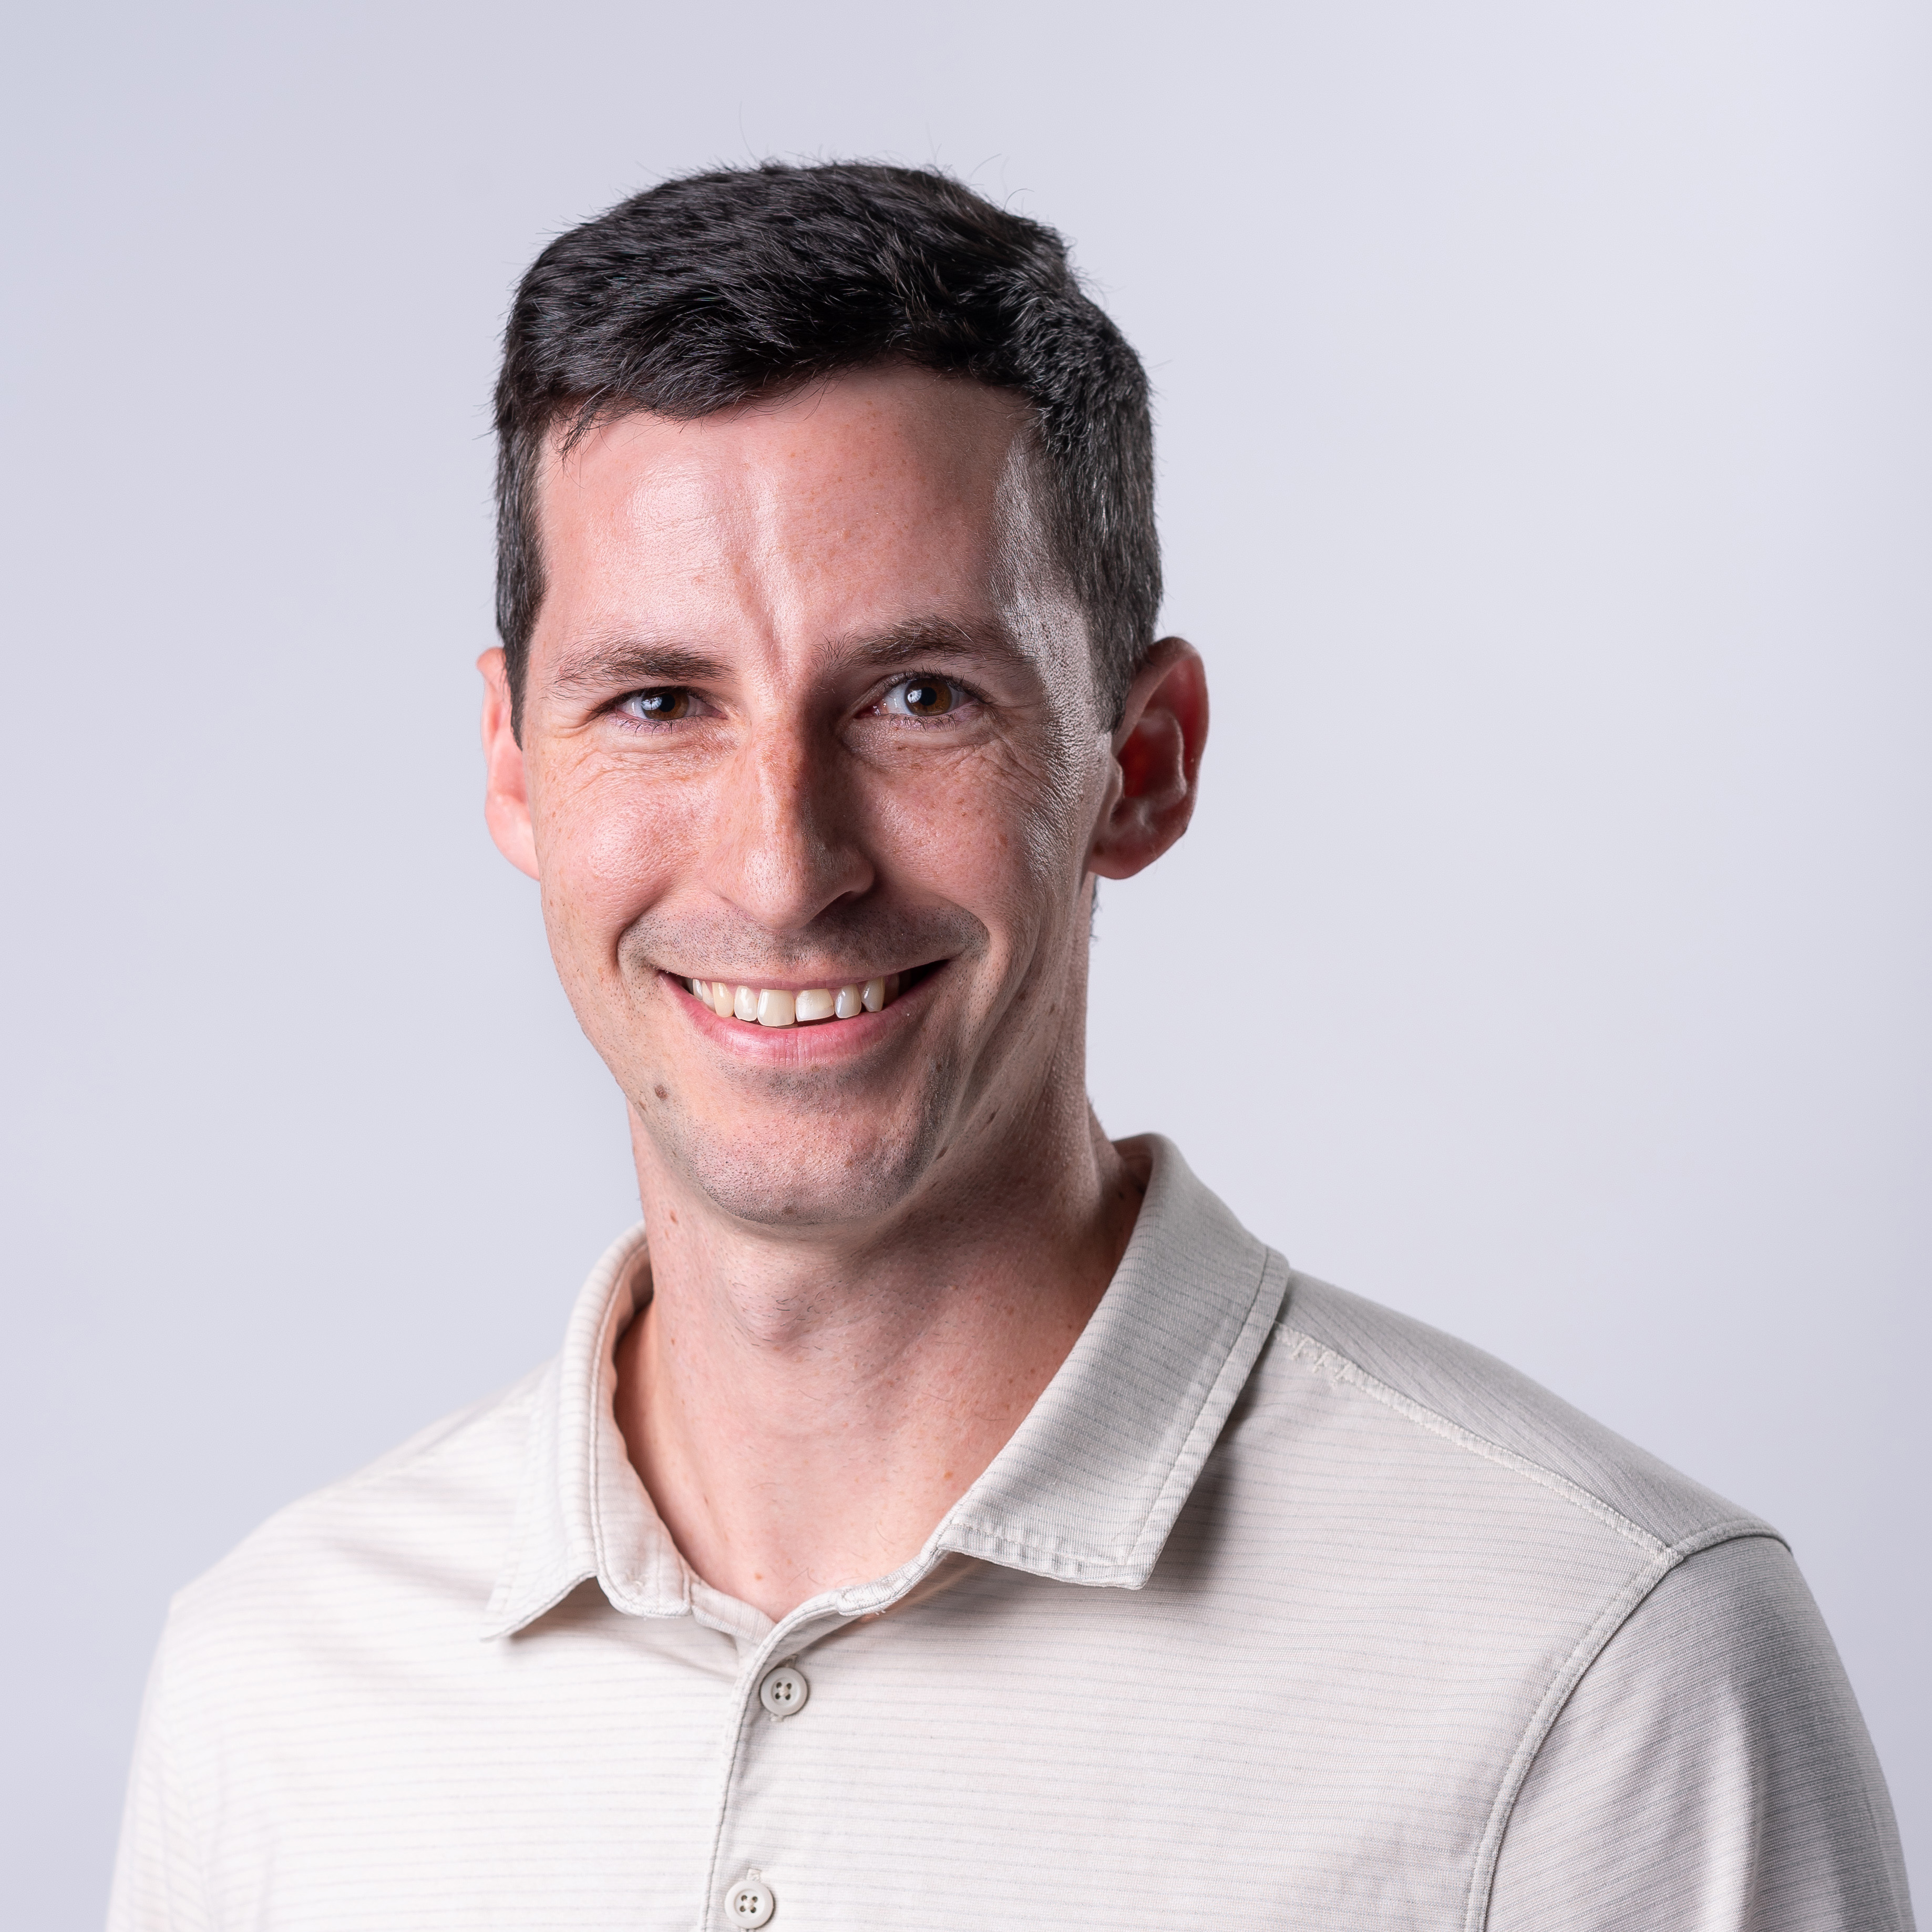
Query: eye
[661,705]
[924,696]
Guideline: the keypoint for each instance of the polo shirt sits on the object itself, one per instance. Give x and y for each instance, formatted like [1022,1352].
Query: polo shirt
[1278,1610]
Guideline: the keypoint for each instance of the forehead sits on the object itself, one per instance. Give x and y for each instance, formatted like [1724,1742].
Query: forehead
[873,496]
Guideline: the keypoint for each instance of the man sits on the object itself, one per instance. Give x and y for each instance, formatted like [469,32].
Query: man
[951,1518]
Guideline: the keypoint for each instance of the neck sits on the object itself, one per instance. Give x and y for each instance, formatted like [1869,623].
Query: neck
[804,1412]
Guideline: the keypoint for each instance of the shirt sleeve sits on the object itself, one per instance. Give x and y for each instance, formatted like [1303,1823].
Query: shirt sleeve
[157,1884]
[1711,1772]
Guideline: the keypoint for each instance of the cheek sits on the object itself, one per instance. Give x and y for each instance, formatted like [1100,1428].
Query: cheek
[1004,835]
[606,851]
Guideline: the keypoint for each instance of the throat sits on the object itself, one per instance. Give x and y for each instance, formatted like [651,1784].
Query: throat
[783,1473]
[802,1419]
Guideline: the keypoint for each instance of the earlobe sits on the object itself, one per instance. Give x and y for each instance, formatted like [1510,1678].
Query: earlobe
[1157,752]
[506,791]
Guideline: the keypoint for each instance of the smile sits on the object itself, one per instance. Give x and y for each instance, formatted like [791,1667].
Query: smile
[783,1007]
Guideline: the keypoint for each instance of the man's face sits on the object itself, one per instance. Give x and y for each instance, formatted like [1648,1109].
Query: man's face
[807,708]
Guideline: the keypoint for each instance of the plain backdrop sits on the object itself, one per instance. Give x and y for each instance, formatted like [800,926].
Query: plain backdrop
[1545,454]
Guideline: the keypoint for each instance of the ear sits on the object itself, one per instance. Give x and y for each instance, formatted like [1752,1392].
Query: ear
[506,783]
[1156,755]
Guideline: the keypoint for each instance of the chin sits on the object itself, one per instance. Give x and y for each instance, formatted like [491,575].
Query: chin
[802,1174]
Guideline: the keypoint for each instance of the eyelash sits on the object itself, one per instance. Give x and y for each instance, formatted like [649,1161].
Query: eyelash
[630,721]
[965,696]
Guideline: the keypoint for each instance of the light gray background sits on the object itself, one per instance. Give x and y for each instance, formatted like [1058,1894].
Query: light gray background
[1543,402]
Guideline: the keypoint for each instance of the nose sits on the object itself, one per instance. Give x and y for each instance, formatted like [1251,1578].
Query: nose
[785,843]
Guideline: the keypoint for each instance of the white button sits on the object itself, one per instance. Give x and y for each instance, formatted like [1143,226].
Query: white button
[783,1692]
[749,1902]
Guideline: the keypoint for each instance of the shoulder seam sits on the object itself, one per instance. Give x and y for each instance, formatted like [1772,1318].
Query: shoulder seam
[1338,1368]
[1589,1648]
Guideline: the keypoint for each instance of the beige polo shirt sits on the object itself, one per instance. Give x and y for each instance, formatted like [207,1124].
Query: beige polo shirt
[1279,1610]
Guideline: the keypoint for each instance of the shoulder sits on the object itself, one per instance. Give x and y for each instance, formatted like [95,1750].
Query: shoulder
[1652,1652]
[1712,1750]
[1501,1433]
[417,1533]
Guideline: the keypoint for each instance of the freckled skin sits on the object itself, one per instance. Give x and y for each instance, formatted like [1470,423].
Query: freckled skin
[786,833]
[838,1220]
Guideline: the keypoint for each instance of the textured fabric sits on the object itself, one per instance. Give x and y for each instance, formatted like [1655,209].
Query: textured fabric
[1279,1610]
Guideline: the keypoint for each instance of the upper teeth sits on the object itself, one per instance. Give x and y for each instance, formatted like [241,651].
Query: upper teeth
[779,1007]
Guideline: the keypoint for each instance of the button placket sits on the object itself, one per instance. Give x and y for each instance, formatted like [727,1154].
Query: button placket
[768,1696]
[775,1692]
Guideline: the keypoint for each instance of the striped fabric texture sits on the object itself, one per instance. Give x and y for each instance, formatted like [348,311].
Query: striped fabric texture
[1279,1610]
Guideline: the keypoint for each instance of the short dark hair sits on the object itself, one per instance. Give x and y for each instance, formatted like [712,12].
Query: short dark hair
[708,289]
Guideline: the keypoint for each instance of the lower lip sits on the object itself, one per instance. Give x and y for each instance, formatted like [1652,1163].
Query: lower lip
[816,1041]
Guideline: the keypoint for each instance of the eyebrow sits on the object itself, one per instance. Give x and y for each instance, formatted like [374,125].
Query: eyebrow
[929,636]
[629,662]
[606,665]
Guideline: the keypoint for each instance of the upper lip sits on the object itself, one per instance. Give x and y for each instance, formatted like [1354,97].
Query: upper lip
[789,983]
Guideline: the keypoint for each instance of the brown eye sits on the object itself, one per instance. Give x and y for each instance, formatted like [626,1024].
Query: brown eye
[667,702]
[927,696]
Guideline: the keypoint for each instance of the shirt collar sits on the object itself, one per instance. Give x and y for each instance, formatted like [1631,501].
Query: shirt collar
[1086,1490]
